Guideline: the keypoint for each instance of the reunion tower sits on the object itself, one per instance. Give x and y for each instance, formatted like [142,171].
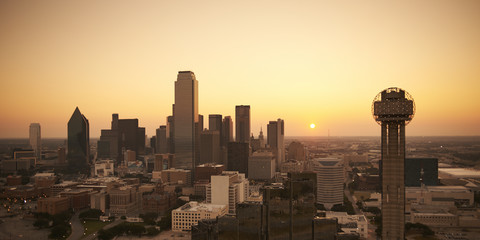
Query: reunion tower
[393,109]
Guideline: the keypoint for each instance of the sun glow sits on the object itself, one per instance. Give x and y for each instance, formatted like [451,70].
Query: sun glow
[312,125]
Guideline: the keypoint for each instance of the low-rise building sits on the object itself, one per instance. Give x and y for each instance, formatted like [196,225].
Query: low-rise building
[177,176]
[53,205]
[184,217]
[351,223]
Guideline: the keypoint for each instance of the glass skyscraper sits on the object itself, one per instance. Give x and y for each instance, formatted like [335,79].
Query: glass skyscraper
[185,119]
[78,141]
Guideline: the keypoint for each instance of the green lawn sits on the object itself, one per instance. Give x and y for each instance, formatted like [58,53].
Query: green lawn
[93,226]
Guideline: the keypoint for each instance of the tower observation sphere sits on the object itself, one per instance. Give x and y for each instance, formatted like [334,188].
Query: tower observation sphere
[393,109]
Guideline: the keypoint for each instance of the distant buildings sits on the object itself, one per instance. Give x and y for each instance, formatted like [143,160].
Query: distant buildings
[161,140]
[53,205]
[330,179]
[228,189]
[242,123]
[78,141]
[210,147]
[227,130]
[36,139]
[296,151]
[275,137]
[188,215]
[186,120]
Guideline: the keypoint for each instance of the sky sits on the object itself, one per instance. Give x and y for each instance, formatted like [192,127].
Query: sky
[306,62]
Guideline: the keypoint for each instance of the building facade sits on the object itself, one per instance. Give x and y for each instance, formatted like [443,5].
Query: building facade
[330,178]
[242,123]
[78,141]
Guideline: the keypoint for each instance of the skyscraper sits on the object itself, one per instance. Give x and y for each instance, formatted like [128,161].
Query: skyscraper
[275,136]
[227,129]
[393,108]
[78,141]
[242,123]
[209,147]
[36,139]
[215,124]
[330,179]
[185,119]
[161,139]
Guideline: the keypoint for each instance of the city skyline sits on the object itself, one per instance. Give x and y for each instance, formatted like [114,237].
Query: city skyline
[305,63]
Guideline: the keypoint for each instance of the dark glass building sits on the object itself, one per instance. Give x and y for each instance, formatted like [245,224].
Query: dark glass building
[78,141]
[237,157]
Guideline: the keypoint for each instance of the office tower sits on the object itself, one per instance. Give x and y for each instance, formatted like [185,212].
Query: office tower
[209,147]
[227,129]
[78,141]
[330,179]
[420,171]
[229,188]
[125,134]
[185,119]
[36,139]
[393,108]
[261,165]
[215,123]
[242,123]
[198,131]
[62,156]
[296,151]
[153,143]
[161,138]
[171,134]
[237,157]
[275,136]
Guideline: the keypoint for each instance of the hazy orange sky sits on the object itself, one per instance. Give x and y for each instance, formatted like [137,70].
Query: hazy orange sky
[306,62]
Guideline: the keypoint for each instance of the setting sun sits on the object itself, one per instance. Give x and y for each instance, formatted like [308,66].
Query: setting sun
[312,125]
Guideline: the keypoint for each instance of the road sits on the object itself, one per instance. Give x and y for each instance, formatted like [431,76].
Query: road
[350,198]
[77,227]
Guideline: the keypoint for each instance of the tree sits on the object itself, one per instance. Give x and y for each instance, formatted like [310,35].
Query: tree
[41,223]
[152,231]
[59,231]
[91,213]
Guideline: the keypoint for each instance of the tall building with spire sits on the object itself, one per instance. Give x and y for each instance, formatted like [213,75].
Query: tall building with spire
[186,119]
[242,123]
[36,139]
[78,141]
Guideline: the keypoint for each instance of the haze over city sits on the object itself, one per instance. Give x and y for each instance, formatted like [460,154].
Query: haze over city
[311,62]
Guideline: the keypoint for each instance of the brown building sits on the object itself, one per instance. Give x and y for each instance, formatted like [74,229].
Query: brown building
[58,188]
[177,176]
[209,147]
[53,205]
[62,156]
[158,202]
[44,179]
[205,171]
[79,198]
[163,161]
[14,180]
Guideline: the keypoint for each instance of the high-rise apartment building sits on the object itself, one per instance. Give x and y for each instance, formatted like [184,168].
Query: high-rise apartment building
[275,136]
[242,123]
[36,139]
[393,108]
[330,178]
[229,188]
[78,141]
[185,119]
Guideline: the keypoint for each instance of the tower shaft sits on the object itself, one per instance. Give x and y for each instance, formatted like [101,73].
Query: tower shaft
[393,180]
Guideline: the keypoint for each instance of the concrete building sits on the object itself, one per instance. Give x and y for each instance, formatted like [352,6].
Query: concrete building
[104,168]
[242,123]
[261,165]
[79,198]
[324,228]
[14,180]
[100,200]
[78,141]
[275,137]
[229,188]
[35,137]
[209,147]
[186,119]
[351,223]
[330,179]
[177,176]
[435,219]
[53,205]
[296,151]
[124,200]
[188,215]
[393,109]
